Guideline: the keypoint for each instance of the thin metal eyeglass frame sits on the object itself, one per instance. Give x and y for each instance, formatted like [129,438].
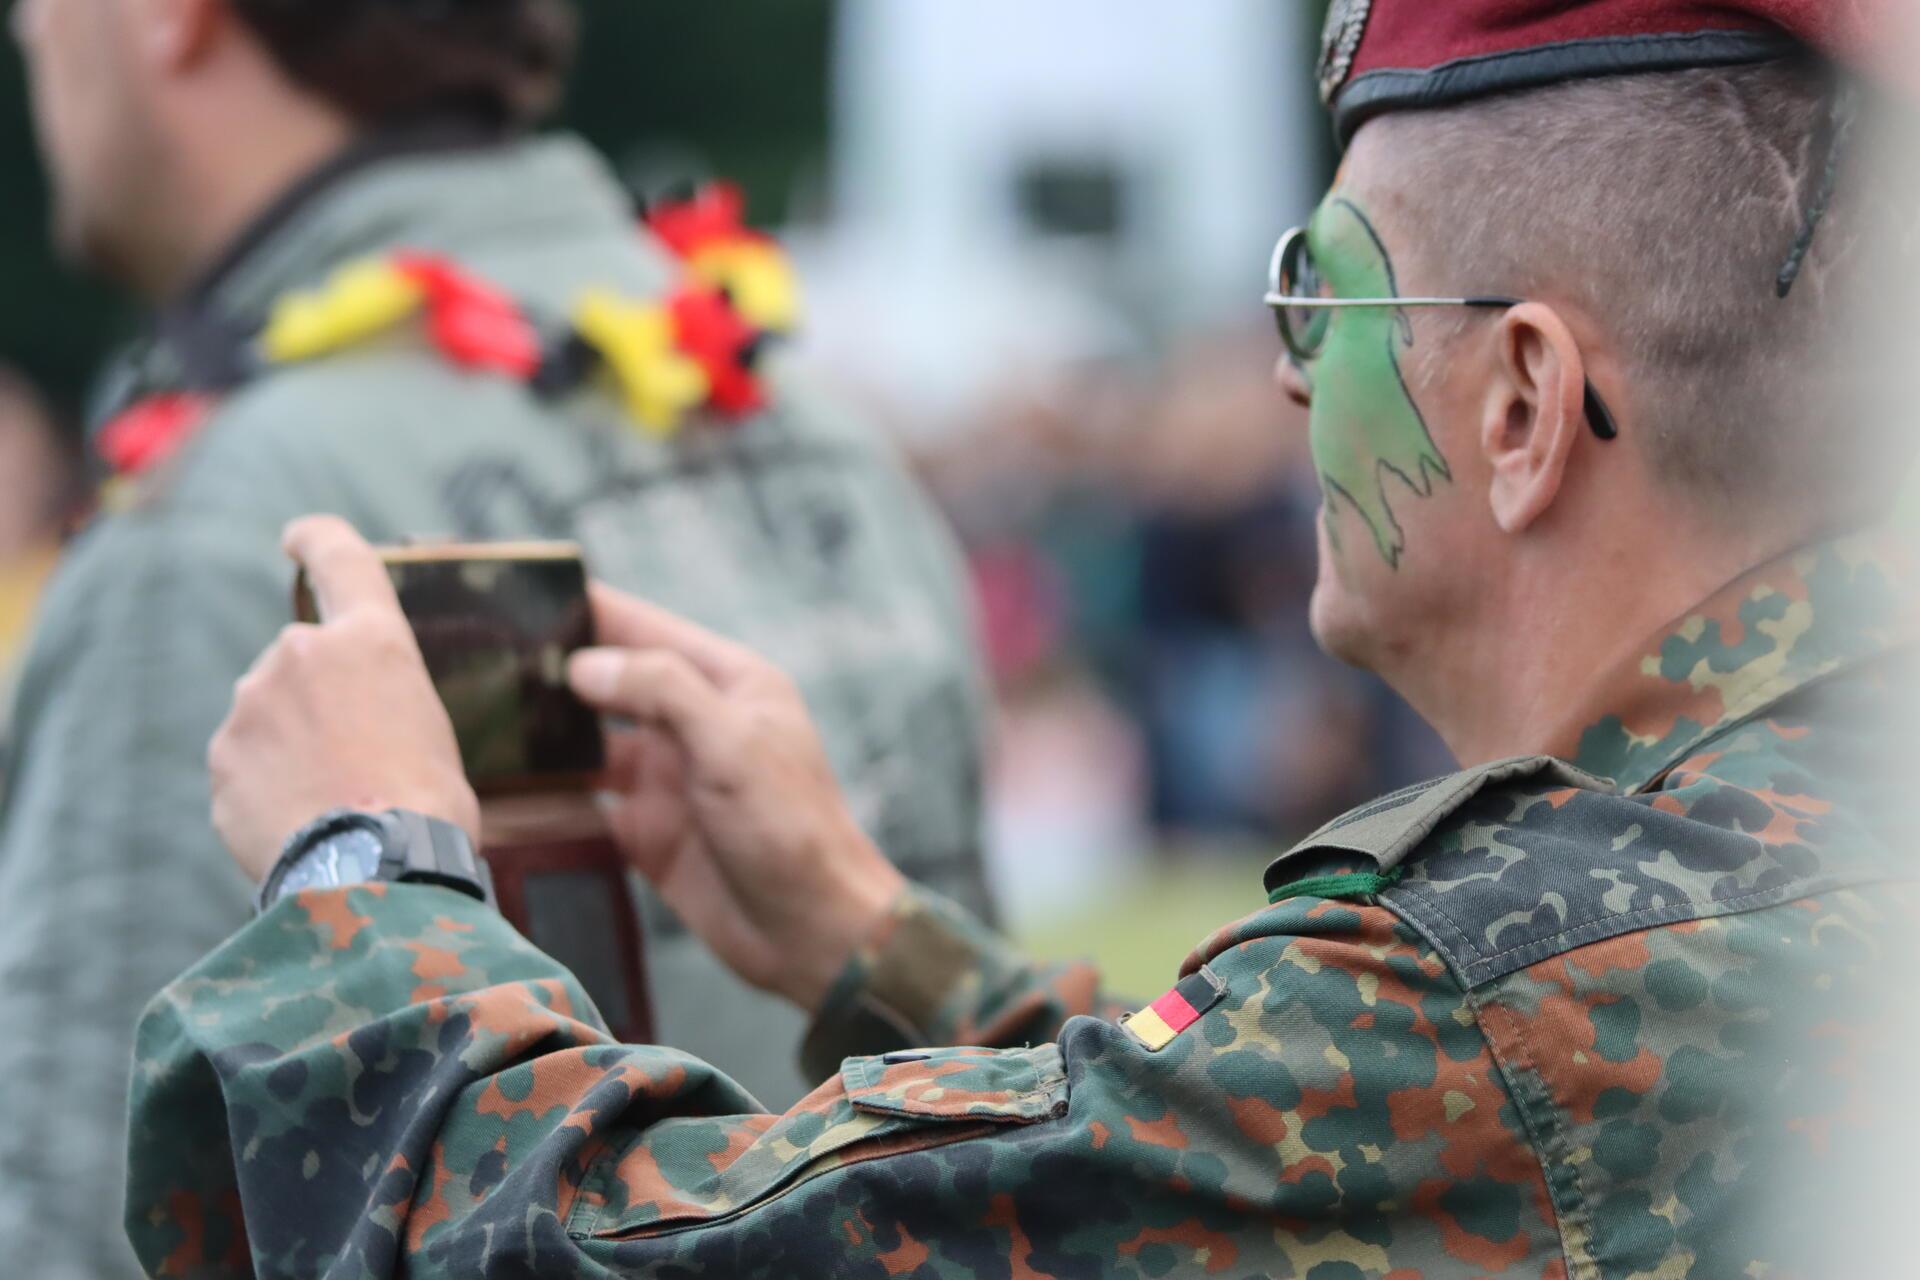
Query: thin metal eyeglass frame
[1599,417]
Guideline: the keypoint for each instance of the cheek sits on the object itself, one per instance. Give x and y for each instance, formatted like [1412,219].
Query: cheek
[1370,614]
[78,93]
[1337,613]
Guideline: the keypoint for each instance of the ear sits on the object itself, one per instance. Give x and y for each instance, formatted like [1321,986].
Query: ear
[177,35]
[1534,414]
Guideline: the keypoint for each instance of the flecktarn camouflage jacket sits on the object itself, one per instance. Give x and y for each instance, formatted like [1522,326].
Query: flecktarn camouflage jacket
[1530,1020]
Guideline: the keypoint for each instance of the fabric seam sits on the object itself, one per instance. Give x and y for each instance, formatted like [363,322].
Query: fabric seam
[1537,1144]
[1479,971]
[976,1125]
[1552,1143]
[1442,917]
[1759,703]
[966,1133]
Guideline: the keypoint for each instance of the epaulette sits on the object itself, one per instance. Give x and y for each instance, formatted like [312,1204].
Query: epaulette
[1362,852]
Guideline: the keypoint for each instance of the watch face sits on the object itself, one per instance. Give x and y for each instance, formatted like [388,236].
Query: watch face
[347,857]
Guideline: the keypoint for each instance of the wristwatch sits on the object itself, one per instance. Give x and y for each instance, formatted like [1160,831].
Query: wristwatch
[348,846]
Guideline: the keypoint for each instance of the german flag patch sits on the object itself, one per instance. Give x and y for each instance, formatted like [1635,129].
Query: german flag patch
[1159,1023]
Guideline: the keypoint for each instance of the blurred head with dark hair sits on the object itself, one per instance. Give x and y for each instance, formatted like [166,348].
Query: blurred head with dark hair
[168,124]
[377,59]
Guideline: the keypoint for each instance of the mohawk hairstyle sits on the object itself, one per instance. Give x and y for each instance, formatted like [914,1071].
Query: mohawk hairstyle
[1662,206]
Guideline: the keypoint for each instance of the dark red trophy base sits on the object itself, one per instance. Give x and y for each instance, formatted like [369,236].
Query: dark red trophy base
[568,893]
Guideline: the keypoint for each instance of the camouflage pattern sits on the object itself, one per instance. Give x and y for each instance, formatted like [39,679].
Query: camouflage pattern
[1539,1019]
[798,532]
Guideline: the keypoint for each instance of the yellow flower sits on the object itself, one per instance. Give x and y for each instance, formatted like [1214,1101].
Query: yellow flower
[659,384]
[757,276]
[361,301]
[119,494]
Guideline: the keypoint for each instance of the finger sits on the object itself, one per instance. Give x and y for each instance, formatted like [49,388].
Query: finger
[345,573]
[651,827]
[632,623]
[644,795]
[652,687]
[640,755]
[625,759]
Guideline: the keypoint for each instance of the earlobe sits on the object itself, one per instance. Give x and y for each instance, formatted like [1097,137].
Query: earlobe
[177,34]
[1534,414]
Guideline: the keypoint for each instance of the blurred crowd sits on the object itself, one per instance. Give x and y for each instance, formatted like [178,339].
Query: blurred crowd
[1140,539]
[1133,494]
[1141,536]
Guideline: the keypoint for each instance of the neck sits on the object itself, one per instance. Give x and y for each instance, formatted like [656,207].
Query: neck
[227,180]
[1552,634]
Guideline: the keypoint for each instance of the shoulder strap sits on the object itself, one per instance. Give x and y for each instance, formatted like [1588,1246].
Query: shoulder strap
[1388,829]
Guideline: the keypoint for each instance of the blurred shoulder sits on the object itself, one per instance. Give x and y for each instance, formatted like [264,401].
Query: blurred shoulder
[806,402]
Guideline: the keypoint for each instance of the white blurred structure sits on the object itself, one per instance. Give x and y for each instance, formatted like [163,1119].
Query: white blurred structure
[1015,185]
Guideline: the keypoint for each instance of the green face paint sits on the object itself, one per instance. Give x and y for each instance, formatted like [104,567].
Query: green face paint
[1367,434]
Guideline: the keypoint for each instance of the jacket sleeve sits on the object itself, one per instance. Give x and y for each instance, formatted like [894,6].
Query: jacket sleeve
[111,878]
[933,974]
[387,1080]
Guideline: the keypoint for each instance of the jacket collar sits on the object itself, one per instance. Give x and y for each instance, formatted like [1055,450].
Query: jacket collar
[1766,635]
[428,135]
[441,185]
[1771,632]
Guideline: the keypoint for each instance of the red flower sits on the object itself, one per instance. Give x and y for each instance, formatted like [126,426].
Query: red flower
[711,333]
[472,323]
[717,214]
[152,430]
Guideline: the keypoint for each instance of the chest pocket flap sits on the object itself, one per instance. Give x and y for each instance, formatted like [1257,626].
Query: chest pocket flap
[669,1177]
[1010,1087]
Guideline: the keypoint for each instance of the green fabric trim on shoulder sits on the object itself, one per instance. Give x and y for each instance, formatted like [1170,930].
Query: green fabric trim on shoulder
[1356,887]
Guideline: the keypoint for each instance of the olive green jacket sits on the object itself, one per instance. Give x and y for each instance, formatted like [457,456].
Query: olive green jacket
[796,533]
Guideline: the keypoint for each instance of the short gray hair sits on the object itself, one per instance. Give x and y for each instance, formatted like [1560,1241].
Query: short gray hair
[1663,207]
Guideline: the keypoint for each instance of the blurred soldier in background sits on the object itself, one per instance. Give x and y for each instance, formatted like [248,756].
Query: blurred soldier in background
[39,494]
[254,168]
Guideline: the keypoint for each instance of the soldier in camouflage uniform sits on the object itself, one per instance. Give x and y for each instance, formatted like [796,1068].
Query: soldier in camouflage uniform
[1607,1003]
[795,529]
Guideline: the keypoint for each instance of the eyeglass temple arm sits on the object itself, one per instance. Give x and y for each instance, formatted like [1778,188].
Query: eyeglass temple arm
[1599,417]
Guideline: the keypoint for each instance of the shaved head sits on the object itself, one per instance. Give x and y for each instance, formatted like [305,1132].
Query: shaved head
[1661,208]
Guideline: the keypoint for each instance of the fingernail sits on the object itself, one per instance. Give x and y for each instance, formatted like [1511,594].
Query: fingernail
[595,673]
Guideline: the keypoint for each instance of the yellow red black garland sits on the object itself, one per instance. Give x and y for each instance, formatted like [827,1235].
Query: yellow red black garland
[696,351]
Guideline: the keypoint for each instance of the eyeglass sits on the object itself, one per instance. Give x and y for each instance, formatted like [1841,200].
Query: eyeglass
[1303,310]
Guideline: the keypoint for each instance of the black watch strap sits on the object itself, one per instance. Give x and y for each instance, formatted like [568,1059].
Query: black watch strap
[434,851]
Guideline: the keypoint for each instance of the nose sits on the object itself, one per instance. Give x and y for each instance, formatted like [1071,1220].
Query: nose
[1293,381]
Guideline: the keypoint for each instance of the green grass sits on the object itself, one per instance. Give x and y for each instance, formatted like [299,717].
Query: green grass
[1140,936]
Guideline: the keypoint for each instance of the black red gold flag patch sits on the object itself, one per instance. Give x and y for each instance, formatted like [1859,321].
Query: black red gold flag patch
[1157,1025]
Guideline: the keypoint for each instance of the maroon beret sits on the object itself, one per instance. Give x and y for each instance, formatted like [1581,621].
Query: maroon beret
[1397,55]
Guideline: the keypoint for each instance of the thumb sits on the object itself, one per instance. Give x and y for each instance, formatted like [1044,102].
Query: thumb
[652,687]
